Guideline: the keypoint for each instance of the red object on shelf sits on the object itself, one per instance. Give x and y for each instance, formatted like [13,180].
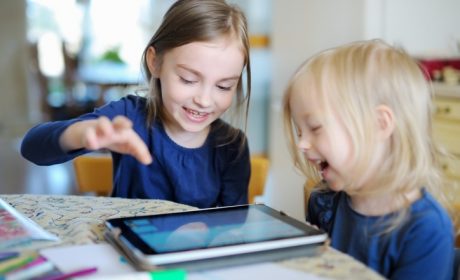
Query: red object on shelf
[430,66]
[455,63]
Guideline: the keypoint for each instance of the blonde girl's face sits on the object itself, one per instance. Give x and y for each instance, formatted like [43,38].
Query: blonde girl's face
[198,83]
[322,138]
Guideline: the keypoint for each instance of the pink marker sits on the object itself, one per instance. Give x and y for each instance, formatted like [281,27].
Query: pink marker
[77,273]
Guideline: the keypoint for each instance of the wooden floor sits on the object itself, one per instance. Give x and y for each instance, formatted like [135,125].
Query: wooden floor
[20,176]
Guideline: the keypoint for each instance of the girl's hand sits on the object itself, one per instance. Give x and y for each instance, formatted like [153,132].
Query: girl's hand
[116,135]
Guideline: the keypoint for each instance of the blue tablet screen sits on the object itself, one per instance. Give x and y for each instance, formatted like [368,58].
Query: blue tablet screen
[205,229]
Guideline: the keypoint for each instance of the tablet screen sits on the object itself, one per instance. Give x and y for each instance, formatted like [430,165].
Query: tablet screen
[211,228]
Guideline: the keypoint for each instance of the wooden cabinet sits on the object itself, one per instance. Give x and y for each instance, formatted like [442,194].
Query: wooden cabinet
[447,132]
[446,128]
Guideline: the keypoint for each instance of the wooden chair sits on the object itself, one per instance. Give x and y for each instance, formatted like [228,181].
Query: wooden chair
[259,173]
[94,174]
[457,230]
[457,264]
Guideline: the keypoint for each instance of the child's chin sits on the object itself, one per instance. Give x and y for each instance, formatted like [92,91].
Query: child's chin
[335,186]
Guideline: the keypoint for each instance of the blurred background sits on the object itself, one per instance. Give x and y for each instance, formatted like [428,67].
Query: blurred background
[61,58]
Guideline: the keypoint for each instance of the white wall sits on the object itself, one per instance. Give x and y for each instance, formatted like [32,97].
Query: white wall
[303,27]
[423,27]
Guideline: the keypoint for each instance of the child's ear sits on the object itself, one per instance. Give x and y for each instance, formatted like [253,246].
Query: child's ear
[151,62]
[385,121]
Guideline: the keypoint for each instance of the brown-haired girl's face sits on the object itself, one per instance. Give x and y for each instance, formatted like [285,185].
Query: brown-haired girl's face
[198,83]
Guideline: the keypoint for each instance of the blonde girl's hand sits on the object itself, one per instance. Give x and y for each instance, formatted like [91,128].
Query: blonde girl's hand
[116,135]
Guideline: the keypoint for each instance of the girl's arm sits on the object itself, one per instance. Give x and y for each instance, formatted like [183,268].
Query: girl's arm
[116,135]
[426,249]
[40,144]
[60,141]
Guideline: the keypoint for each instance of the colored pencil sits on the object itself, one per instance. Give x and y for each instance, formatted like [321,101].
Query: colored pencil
[77,273]
[31,271]
[8,255]
[15,263]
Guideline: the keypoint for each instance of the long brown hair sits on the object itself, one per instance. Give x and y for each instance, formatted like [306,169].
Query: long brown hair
[189,21]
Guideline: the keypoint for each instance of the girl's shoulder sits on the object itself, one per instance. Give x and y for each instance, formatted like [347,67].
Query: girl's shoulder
[132,102]
[135,99]
[130,106]
[225,135]
[129,100]
[229,144]
[220,127]
[428,209]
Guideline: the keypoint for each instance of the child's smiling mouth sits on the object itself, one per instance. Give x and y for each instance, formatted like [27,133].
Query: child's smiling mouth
[195,113]
[322,166]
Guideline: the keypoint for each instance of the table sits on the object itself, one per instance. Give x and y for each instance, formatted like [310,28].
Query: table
[80,220]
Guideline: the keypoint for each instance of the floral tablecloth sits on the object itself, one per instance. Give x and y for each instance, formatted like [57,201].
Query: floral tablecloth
[80,220]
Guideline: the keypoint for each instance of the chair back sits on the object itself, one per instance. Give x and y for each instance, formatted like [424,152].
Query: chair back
[457,264]
[94,174]
[259,173]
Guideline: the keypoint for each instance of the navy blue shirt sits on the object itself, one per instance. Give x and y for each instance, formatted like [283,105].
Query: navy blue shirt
[209,176]
[422,247]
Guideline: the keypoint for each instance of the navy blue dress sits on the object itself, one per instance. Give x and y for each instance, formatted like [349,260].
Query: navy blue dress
[421,248]
[209,176]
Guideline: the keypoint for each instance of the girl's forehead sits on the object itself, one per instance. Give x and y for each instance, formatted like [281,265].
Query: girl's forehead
[307,100]
[304,92]
[302,102]
[217,56]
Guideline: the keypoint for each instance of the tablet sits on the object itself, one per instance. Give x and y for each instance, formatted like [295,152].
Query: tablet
[183,237]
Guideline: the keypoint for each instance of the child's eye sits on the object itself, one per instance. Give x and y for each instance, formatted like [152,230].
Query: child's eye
[315,128]
[187,82]
[224,88]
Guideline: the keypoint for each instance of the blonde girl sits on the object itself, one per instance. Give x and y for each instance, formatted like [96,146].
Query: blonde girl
[359,118]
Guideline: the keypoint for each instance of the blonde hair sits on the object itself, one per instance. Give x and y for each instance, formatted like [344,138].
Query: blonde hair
[189,21]
[352,80]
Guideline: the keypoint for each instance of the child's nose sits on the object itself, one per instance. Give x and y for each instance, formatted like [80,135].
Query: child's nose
[203,98]
[304,144]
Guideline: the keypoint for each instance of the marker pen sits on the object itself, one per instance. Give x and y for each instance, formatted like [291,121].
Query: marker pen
[173,274]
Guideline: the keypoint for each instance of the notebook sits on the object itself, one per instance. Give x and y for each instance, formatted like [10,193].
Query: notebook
[17,230]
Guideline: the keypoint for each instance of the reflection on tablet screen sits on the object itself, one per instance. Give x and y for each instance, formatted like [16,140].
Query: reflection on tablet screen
[172,233]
